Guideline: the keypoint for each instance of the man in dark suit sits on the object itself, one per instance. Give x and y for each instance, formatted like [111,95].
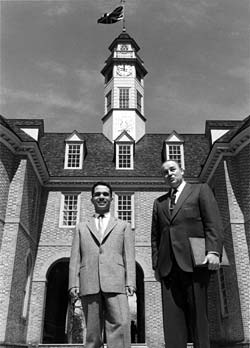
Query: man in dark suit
[102,271]
[184,211]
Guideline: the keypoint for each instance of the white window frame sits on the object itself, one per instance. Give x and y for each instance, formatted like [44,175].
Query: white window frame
[62,211]
[168,154]
[223,293]
[124,99]
[118,155]
[132,195]
[66,159]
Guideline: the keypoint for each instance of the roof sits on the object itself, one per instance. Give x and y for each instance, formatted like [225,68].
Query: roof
[239,127]
[99,160]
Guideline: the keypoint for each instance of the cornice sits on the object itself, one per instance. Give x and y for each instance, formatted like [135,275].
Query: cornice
[25,148]
[220,150]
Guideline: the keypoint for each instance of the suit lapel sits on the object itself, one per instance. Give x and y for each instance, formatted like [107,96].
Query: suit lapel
[92,227]
[165,205]
[183,196]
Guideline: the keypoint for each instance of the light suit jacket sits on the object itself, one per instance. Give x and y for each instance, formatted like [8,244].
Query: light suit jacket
[106,264]
[195,214]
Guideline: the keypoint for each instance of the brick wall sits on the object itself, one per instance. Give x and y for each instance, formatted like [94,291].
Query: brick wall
[237,185]
[228,327]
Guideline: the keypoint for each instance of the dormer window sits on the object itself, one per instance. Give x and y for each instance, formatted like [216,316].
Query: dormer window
[74,152]
[124,98]
[124,152]
[174,149]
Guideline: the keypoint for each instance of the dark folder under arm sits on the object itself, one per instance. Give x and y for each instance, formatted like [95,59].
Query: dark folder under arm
[199,252]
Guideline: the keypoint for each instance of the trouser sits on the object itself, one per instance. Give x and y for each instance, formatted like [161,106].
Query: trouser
[111,310]
[184,300]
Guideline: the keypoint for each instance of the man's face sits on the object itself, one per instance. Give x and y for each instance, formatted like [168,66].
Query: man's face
[101,199]
[172,173]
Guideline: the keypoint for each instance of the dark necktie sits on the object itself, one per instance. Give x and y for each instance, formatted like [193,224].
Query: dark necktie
[172,200]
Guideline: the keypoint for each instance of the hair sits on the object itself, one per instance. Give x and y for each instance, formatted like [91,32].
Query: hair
[172,160]
[101,183]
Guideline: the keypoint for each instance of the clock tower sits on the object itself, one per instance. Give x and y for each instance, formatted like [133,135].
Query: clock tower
[124,74]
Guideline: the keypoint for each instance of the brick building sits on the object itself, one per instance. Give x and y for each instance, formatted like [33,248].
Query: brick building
[45,182]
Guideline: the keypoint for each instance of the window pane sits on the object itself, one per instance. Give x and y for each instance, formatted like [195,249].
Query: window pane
[70,210]
[124,156]
[124,98]
[108,100]
[74,153]
[139,98]
[175,153]
[124,208]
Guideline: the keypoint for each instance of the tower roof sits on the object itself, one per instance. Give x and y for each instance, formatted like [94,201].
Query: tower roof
[124,37]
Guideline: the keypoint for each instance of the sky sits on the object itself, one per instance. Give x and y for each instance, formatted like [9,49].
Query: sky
[196,52]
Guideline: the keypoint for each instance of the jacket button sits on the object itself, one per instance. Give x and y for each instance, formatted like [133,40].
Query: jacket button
[100,250]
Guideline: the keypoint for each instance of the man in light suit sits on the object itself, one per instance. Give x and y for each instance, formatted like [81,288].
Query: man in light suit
[102,271]
[184,211]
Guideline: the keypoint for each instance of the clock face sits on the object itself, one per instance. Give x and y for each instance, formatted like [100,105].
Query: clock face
[124,70]
[124,47]
[124,123]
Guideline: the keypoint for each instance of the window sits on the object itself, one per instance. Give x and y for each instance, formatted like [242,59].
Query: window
[175,152]
[74,151]
[174,149]
[124,156]
[139,101]
[69,213]
[108,101]
[124,207]
[124,98]
[74,156]
[223,293]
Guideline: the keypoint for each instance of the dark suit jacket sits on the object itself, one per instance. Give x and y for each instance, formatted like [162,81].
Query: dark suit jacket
[195,214]
[107,263]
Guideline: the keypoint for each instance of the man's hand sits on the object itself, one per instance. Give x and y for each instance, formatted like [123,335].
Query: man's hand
[130,290]
[213,261]
[74,292]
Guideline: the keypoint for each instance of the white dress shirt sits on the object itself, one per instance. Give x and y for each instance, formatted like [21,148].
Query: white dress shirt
[179,190]
[105,220]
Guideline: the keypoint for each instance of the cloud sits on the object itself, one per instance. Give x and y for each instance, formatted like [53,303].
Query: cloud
[241,71]
[47,99]
[58,9]
[189,12]
[52,66]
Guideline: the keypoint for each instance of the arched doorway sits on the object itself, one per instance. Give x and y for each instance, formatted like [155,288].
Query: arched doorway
[138,332]
[56,303]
